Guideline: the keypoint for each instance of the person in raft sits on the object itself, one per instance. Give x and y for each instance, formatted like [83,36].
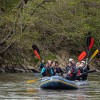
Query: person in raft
[47,70]
[71,70]
[57,69]
[82,69]
[42,64]
[79,70]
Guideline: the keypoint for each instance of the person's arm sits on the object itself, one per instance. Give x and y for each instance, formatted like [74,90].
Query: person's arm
[67,69]
[41,65]
[69,72]
[88,68]
[43,70]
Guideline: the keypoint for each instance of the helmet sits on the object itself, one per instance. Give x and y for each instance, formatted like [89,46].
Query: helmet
[83,62]
[70,59]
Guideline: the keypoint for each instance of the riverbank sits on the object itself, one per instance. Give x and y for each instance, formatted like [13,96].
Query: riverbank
[35,69]
[58,28]
[18,69]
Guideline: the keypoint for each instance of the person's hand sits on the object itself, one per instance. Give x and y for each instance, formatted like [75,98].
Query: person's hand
[69,72]
[42,61]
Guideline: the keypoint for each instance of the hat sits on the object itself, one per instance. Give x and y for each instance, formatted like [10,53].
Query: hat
[83,62]
[70,59]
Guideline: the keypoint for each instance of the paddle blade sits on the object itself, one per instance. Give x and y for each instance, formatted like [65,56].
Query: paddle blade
[95,53]
[37,55]
[36,48]
[91,43]
[32,81]
[82,56]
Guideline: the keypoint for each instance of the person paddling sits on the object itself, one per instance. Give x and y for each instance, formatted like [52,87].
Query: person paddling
[85,70]
[79,67]
[71,70]
[42,64]
[82,68]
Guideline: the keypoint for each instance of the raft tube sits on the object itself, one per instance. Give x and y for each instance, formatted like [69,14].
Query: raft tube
[57,82]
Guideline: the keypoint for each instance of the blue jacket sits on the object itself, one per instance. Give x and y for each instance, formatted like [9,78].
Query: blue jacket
[47,71]
[42,65]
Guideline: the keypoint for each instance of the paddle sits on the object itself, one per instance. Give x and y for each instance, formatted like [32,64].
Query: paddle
[90,71]
[82,56]
[90,43]
[33,81]
[88,39]
[36,51]
[94,54]
[36,48]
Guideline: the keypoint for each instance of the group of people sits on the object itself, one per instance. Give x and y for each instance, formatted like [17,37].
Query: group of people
[50,68]
[74,71]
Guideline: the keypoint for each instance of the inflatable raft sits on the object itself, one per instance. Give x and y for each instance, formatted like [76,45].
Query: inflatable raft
[57,82]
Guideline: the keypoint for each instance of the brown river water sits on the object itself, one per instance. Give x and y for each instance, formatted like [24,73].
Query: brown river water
[15,87]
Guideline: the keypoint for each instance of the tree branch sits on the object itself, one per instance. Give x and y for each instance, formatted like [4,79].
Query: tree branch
[21,4]
[6,48]
[8,36]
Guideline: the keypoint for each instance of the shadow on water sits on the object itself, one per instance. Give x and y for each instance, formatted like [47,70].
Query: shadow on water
[14,86]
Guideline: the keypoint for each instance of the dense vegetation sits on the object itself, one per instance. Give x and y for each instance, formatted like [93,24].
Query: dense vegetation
[57,27]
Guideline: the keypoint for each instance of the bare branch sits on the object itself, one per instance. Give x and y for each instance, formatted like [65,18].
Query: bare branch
[8,36]
[6,48]
[21,4]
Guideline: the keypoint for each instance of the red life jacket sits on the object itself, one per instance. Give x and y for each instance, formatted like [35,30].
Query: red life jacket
[79,72]
[71,73]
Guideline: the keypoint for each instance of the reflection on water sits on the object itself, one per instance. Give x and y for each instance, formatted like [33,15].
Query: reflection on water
[14,86]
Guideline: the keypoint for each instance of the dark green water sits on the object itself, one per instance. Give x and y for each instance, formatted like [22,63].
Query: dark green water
[14,87]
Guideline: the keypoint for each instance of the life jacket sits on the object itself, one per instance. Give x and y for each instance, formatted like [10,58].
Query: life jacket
[57,70]
[79,72]
[70,74]
[48,72]
[72,70]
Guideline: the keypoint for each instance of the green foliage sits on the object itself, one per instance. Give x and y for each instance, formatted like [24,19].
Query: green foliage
[56,25]
[7,5]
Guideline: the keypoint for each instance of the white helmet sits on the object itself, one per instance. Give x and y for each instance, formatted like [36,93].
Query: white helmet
[83,62]
[70,59]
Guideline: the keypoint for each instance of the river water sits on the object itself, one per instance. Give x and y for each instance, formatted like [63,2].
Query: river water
[15,87]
